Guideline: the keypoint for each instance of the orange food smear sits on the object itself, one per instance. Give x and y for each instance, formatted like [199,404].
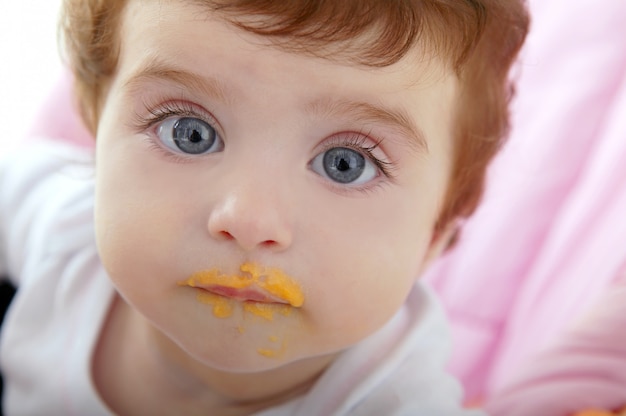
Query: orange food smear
[276,282]
[272,353]
[267,353]
[222,308]
[266,310]
[213,277]
[261,310]
[273,280]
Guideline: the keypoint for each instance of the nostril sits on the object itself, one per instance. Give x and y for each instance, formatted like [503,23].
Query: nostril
[269,243]
[226,235]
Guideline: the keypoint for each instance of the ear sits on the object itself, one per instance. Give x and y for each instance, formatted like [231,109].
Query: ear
[442,239]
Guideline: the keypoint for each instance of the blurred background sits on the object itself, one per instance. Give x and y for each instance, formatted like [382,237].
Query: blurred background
[29,63]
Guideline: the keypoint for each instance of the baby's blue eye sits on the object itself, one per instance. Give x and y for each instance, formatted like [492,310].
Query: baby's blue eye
[189,135]
[344,165]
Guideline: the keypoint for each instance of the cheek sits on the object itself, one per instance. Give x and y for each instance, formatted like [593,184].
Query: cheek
[369,259]
[137,218]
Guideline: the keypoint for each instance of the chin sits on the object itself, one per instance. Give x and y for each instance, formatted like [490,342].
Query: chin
[243,356]
[245,362]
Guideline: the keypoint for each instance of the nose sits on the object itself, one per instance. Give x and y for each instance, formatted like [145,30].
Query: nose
[252,218]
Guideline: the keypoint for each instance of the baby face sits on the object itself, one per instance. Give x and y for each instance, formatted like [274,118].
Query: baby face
[259,206]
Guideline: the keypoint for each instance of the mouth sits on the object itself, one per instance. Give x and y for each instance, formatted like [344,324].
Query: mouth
[255,284]
[243,295]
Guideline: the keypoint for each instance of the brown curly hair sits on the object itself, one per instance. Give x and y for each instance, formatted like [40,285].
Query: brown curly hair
[479,39]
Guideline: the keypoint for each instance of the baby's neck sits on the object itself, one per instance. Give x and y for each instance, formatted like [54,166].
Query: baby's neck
[137,370]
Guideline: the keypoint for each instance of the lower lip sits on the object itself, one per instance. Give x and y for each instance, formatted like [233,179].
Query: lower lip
[255,303]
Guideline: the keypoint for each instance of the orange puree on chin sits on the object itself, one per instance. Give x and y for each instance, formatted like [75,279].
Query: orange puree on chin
[266,311]
[221,306]
[276,284]
[273,353]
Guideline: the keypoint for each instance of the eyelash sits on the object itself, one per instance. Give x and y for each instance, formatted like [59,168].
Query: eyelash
[161,112]
[360,142]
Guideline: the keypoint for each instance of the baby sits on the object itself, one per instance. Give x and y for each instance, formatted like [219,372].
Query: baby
[270,179]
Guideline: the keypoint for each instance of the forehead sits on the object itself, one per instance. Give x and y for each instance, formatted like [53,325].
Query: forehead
[161,24]
[188,47]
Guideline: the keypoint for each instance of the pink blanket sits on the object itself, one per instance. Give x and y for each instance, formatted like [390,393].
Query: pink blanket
[550,236]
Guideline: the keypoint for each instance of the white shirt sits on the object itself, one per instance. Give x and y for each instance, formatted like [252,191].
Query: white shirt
[47,247]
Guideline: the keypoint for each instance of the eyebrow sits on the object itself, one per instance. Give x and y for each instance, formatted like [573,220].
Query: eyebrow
[396,119]
[155,69]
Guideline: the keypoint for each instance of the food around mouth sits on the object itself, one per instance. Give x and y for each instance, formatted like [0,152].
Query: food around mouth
[256,283]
